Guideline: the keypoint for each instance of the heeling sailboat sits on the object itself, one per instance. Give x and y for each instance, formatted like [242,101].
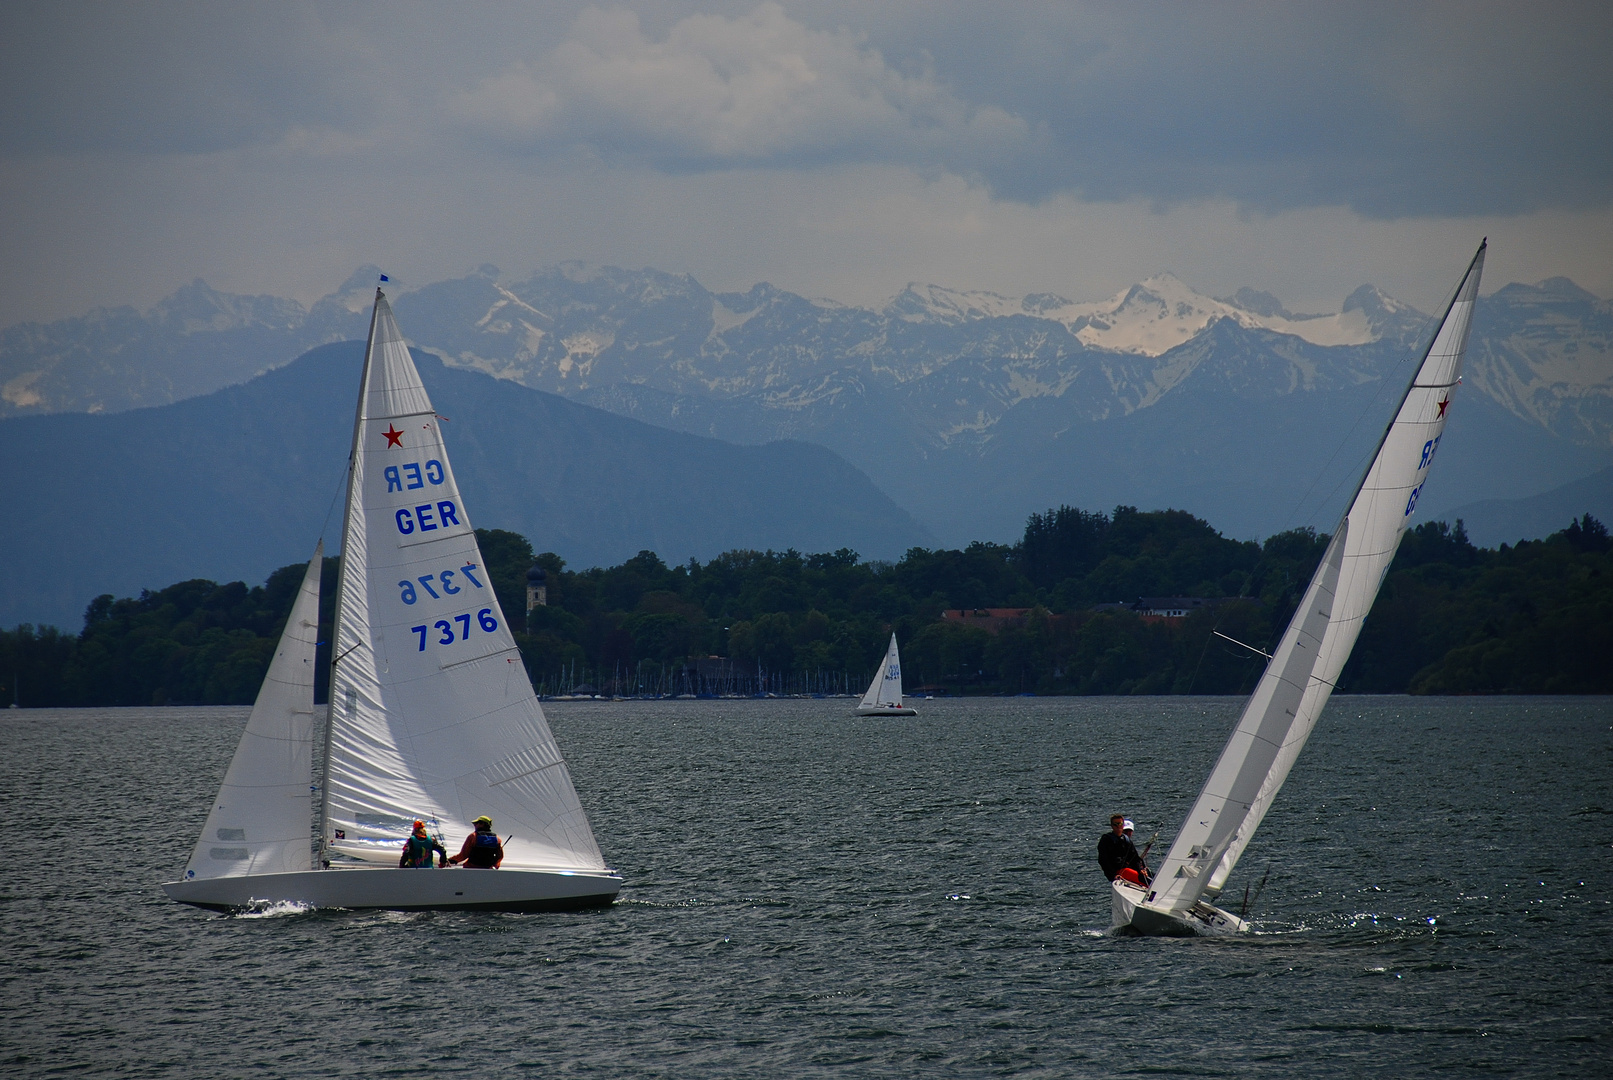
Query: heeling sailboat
[432,716]
[1301,674]
[884,697]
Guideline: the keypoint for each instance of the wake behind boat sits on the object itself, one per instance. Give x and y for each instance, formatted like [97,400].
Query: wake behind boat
[884,697]
[1301,674]
[432,717]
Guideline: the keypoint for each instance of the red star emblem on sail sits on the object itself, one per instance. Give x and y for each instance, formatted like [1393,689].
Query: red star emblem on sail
[1443,406]
[394,436]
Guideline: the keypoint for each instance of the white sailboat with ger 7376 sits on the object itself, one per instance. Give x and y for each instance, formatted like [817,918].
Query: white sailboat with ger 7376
[884,697]
[1301,674]
[432,715]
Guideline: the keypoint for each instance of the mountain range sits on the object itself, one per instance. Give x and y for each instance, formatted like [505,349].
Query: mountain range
[969,409]
[233,484]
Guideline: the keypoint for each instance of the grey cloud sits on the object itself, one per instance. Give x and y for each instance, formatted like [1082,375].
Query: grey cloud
[197,77]
[716,92]
[1391,110]
[188,79]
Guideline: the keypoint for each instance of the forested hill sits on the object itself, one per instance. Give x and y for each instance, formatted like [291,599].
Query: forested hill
[1451,618]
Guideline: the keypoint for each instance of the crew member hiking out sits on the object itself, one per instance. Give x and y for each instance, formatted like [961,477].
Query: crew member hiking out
[482,849]
[1117,855]
[1128,828]
[418,848]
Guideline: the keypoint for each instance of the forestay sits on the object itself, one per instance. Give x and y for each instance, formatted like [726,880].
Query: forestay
[432,714]
[886,689]
[1302,672]
[260,821]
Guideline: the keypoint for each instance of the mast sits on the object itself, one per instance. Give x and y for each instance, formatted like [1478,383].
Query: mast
[1281,713]
[336,613]
[1433,339]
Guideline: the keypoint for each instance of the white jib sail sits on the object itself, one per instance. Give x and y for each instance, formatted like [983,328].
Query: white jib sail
[432,713]
[886,689]
[259,822]
[1300,677]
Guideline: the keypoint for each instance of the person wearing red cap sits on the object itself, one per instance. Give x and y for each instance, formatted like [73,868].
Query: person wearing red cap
[418,848]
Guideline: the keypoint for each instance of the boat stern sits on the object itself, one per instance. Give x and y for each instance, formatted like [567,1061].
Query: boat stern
[1133,915]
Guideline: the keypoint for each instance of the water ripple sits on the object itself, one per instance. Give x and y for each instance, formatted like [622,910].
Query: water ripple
[813,895]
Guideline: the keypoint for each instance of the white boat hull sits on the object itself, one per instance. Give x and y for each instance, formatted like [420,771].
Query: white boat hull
[406,890]
[885,710]
[1131,915]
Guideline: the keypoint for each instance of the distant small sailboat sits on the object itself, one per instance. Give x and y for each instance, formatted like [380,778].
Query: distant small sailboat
[432,716]
[884,697]
[1301,674]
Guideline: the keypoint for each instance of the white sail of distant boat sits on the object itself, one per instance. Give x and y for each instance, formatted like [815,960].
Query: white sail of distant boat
[1303,671]
[884,697]
[432,715]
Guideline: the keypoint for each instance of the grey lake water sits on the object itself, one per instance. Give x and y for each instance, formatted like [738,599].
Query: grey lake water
[810,894]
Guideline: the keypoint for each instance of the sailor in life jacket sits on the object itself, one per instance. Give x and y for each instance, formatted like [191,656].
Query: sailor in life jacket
[418,848]
[482,849]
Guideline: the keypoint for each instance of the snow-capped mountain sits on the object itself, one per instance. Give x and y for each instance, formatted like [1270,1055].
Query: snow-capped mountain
[1153,316]
[922,394]
[1546,352]
[660,346]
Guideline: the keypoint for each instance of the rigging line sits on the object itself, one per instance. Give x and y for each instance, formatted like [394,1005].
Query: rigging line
[1425,339]
[1194,677]
[1215,628]
[341,486]
[1361,464]
[1235,641]
[1422,360]
[1371,405]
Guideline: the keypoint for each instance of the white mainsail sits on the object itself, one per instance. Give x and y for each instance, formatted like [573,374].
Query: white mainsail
[432,713]
[1300,677]
[885,692]
[260,821]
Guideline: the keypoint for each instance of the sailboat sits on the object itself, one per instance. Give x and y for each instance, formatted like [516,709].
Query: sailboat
[884,697]
[432,716]
[1301,674]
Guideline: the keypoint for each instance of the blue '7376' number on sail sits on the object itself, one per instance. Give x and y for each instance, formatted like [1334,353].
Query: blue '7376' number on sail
[447,635]
[444,581]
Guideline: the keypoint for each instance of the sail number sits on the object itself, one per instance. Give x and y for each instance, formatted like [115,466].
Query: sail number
[484,619]
[1429,449]
[1411,503]
[444,581]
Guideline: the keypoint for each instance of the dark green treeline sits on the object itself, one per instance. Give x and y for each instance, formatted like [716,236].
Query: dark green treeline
[1451,618]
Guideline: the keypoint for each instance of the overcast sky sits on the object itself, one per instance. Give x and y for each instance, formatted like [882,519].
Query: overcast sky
[835,149]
